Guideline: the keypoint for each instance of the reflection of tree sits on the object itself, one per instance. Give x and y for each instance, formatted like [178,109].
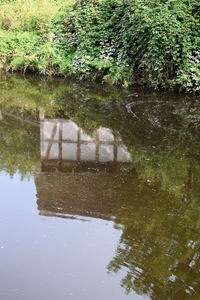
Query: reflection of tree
[27,95]
[19,148]
[159,247]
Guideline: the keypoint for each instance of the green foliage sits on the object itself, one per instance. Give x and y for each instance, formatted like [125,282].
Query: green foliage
[17,49]
[152,42]
[26,41]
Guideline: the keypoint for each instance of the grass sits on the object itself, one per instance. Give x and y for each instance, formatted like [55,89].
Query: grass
[29,15]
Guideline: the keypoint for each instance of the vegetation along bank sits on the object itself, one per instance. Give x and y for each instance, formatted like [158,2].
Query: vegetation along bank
[151,42]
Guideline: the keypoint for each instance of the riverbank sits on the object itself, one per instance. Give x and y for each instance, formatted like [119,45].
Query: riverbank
[129,42]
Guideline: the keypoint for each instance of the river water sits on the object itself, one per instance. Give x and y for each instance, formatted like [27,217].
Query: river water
[100,192]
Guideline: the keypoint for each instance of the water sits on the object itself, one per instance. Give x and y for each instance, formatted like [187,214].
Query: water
[100,192]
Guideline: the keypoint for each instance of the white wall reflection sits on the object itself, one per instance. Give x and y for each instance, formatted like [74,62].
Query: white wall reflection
[64,140]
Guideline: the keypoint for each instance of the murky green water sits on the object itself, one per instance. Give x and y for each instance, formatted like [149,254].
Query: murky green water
[100,192]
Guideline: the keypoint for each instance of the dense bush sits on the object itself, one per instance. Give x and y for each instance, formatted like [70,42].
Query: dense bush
[151,42]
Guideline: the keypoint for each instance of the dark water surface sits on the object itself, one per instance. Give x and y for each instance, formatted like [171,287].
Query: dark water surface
[100,192]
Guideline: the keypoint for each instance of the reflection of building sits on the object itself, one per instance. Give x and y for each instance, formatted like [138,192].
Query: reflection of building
[9,117]
[93,190]
[64,140]
[96,195]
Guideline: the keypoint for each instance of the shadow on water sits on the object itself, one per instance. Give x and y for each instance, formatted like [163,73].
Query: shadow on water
[106,153]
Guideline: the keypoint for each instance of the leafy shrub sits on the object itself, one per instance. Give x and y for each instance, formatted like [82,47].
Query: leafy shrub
[151,42]
[22,50]
[16,49]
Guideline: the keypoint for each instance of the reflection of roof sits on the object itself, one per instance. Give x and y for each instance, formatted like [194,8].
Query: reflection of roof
[83,194]
[64,140]
[17,117]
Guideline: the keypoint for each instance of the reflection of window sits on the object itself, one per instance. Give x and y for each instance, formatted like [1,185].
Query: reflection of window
[63,139]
